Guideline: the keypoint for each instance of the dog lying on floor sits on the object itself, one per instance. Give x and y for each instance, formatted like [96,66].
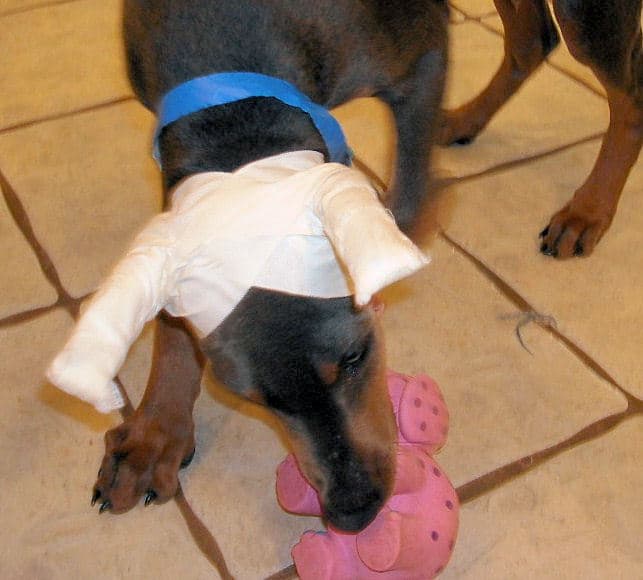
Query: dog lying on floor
[606,36]
[315,360]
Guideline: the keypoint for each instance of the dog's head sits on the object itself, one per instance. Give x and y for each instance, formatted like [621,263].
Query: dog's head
[318,365]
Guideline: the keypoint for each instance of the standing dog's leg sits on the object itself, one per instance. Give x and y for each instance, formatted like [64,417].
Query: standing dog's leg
[415,103]
[605,35]
[143,455]
[530,35]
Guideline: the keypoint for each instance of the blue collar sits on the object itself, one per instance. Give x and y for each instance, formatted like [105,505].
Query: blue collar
[222,88]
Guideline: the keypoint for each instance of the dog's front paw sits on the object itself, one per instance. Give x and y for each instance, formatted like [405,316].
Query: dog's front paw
[142,458]
[575,230]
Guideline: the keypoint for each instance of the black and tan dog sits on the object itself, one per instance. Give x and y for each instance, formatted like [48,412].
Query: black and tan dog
[317,363]
[606,36]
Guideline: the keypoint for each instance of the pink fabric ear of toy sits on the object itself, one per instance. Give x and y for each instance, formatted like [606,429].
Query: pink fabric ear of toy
[413,536]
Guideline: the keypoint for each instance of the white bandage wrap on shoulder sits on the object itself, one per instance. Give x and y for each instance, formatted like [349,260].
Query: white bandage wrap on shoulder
[290,223]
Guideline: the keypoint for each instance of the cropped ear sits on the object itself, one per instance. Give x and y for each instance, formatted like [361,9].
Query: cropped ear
[133,294]
[365,236]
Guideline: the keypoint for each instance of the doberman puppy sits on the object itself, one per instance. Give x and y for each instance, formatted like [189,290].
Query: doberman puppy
[606,36]
[317,363]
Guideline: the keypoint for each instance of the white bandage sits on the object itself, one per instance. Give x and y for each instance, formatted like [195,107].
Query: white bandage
[289,223]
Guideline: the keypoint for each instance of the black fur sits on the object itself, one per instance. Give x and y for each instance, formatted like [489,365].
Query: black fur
[316,363]
[266,350]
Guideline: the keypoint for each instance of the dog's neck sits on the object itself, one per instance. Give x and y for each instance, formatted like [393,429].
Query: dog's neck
[226,137]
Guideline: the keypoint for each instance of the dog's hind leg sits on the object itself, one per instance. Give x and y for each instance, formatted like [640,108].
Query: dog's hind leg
[143,454]
[530,35]
[605,35]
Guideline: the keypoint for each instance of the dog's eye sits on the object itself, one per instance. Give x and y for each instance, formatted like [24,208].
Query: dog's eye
[353,358]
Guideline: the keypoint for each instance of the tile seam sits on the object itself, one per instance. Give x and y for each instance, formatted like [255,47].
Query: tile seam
[45,4]
[202,536]
[21,219]
[287,573]
[543,321]
[470,16]
[66,114]
[496,478]
[28,315]
[519,162]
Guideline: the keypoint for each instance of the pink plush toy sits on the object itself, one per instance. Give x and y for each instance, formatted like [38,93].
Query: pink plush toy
[413,535]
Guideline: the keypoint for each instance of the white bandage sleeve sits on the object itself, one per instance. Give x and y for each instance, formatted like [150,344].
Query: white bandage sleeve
[132,295]
[288,223]
[365,236]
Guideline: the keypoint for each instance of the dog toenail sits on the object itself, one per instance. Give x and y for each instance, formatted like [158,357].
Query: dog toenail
[548,251]
[463,141]
[95,496]
[187,460]
[544,232]
[578,249]
[105,506]
[150,496]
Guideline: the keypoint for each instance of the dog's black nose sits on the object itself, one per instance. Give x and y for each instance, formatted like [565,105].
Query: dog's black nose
[351,512]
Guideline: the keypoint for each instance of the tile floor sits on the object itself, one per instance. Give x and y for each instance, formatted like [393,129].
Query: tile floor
[546,441]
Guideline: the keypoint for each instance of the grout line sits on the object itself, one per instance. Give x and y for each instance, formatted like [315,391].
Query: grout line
[494,479]
[498,477]
[202,536]
[58,116]
[71,306]
[27,315]
[46,4]
[542,321]
[20,217]
[513,163]
[468,16]
[498,282]
[578,79]
[287,573]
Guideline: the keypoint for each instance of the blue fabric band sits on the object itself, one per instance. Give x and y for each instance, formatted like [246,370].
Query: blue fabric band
[222,88]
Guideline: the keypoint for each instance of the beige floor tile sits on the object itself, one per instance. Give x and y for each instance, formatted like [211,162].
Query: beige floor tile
[370,132]
[91,185]
[60,58]
[22,284]
[578,516]
[549,111]
[12,6]
[456,16]
[474,8]
[231,485]
[450,322]
[51,446]
[597,301]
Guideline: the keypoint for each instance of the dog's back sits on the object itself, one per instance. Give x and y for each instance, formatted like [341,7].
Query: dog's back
[331,50]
